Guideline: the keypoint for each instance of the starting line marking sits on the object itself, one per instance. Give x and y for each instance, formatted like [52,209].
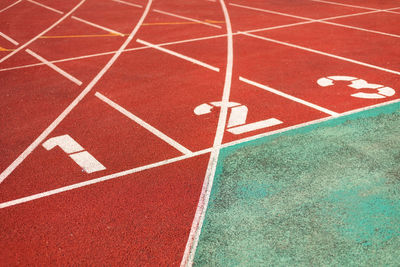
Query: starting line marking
[97,26]
[8,38]
[144,124]
[195,61]
[347,5]
[295,99]
[186,18]
[54,67]
[127,3]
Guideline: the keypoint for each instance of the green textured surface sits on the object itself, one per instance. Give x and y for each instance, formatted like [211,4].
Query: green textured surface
[327,194]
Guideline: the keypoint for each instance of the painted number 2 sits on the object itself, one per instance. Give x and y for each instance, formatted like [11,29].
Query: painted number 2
[75,151]
[381,90]
[237,117]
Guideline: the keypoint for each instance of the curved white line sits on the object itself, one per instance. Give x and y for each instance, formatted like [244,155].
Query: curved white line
[42,33]
[191,245]
[76,101]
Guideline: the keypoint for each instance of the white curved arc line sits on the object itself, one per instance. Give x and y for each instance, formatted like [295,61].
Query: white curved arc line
[42,33]
[191,245]
[76,101]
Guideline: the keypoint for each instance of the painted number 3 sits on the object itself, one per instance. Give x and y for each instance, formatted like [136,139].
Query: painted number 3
[355,83]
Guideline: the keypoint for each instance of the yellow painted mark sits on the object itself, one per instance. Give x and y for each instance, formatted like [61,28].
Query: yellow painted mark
[5,49]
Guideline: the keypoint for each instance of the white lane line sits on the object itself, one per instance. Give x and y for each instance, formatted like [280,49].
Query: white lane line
[13,4]
[54,67]
[197,224]
[41,34]
[361,7]
[47,7]
[176,159]
[127,3]
[144,124]
[100,179]
[195,61]
[97,26]
[8,38]
[75,102]
[184,41]
[186,18]
[322,20]
[295,99]
[322,53]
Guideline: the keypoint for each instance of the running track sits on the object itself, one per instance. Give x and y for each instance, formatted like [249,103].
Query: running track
[114,112]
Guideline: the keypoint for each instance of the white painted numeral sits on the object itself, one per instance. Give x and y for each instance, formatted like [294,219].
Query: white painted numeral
[75,151]
[382,91]
[237,117]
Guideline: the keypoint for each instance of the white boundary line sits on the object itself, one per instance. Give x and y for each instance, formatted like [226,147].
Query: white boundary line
[47,7]
[185,41]
[97,26]
[361,7]
[176,159]
[54,67]
[193,239]
[145,125]
[195,61]
[186,18]
[127,3]
[42,33]
[323,20]
[8,38]
[295,99]
[75,102]
[7,7]
[321,53]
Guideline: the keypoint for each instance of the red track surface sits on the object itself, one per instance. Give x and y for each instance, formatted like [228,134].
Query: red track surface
[144,217]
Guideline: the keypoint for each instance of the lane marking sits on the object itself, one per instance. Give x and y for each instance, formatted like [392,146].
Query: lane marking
[42,33]
[183,41]
[180,158]
[8,38]
[5,49]
[97,25]
[186,18]
[75,102]
[165,50]
[179,23]
[321,53]
[195,230]
[361,7]
[100,179]
[293,98]
[321,20]
[144,124]
[13,4]
[127,3]
[47,7]
[54,67]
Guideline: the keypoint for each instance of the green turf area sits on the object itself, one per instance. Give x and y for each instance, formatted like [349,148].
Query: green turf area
[326,194]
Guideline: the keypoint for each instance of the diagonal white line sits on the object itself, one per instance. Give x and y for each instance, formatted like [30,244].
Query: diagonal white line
[75,102]
[97,25]
[186,18]
[195,61]
[8,38]
[47,7]
[322,53]
[295,99]
[127,3]
[144,124]
[54,67]
[7,7]
[42,33]
[361,7]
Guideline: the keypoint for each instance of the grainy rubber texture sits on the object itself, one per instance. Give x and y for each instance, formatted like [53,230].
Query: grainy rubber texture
[327,194]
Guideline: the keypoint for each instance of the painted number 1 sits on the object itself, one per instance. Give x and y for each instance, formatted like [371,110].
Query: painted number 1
[75,151]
